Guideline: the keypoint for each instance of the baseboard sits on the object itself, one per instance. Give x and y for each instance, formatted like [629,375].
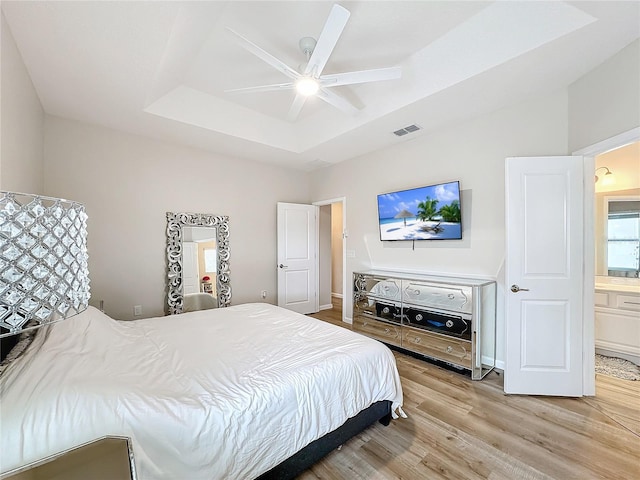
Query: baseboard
[625,356]
[328,306]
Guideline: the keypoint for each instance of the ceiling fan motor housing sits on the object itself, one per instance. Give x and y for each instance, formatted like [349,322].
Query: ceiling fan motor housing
[307,44]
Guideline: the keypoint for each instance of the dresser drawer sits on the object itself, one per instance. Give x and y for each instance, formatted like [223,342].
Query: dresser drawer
[382,331]
[377,286]
[456,298]
[370,306]
[437,346]
[628,302]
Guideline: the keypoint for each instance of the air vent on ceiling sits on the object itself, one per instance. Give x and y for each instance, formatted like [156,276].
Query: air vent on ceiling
[405,130]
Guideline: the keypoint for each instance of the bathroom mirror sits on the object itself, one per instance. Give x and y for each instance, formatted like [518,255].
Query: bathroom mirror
[188,233]
[621,237]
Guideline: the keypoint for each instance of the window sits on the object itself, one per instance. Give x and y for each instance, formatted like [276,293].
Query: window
[623,239]
[211,260]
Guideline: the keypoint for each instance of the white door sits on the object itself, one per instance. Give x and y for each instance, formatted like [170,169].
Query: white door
[544,265]
[297,257]
[190,280]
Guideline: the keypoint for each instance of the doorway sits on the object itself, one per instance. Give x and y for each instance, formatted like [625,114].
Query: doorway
[332,253]
[590,153]
[617,221]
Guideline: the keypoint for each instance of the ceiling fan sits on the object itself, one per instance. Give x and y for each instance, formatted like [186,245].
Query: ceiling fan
[310,81]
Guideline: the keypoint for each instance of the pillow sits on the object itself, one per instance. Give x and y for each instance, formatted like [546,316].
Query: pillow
[14,346]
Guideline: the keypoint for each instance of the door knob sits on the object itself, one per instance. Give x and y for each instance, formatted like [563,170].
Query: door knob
[283,266]
[515,289]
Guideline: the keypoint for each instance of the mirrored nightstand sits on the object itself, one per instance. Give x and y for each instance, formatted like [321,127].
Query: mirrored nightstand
[106,458]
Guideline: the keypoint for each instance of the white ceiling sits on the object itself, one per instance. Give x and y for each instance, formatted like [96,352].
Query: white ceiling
[161,68]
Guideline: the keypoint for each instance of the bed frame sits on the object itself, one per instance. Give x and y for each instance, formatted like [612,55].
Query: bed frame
[301,461]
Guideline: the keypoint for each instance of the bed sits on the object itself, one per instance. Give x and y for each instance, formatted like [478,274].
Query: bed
[241,392]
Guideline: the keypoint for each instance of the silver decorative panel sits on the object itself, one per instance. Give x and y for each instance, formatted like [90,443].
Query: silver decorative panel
[175,224]
[44,272]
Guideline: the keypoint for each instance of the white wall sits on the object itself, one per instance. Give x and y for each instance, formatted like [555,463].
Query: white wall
[606,101]
[22,123]
[474,153]
[129,182]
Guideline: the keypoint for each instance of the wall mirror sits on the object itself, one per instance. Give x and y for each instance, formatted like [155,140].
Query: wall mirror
[197,258]
[621,239]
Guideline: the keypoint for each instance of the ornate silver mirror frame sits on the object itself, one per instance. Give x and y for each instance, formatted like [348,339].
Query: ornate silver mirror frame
[175,224]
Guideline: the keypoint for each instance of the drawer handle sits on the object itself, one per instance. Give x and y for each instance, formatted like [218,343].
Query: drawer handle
[632,303]
[386,330]
[364,324]
[449,349]
[416,339]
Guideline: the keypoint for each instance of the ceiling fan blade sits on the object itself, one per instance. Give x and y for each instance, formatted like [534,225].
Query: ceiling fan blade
[337,101]
[327,41]
[362,76]
[262,88]
[265,56]
[296,106]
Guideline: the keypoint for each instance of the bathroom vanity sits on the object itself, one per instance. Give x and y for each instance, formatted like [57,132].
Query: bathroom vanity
[617,317]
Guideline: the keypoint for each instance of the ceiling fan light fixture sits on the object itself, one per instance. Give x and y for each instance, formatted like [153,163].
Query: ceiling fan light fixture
[307,86]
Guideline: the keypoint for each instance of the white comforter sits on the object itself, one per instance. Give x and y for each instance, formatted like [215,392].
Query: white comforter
[225,393]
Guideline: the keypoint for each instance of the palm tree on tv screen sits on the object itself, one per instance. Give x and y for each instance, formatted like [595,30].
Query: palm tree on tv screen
[427,209]
[451,213]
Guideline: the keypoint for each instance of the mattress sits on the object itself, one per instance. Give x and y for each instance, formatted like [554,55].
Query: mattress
[222,393]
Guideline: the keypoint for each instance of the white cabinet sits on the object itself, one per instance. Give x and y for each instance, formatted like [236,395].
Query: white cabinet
[617,323]
[449,319]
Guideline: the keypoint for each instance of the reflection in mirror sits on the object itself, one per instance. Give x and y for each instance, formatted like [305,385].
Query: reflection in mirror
[197,260]
[622,227]
[198,270]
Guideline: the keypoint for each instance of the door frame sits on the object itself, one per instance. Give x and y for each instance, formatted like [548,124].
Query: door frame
[588,331]
[343,201]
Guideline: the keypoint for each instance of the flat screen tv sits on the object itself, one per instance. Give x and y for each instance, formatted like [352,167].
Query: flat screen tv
[425,213]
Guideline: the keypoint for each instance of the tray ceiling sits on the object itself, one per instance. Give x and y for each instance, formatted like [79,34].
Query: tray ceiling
[161,68]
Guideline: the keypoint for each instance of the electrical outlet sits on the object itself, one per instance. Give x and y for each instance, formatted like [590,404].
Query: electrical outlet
[263,294]
[137,310]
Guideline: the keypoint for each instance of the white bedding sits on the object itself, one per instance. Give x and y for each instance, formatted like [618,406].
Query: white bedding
[225,393]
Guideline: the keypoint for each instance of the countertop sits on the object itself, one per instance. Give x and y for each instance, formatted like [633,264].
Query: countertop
[615,284]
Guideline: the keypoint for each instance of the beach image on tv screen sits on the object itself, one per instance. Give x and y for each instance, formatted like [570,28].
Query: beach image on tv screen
[426,213]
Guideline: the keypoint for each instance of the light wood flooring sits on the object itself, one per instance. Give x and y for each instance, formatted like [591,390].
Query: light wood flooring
[462,429]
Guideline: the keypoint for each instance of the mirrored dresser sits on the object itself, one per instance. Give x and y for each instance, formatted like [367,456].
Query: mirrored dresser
[448,319]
